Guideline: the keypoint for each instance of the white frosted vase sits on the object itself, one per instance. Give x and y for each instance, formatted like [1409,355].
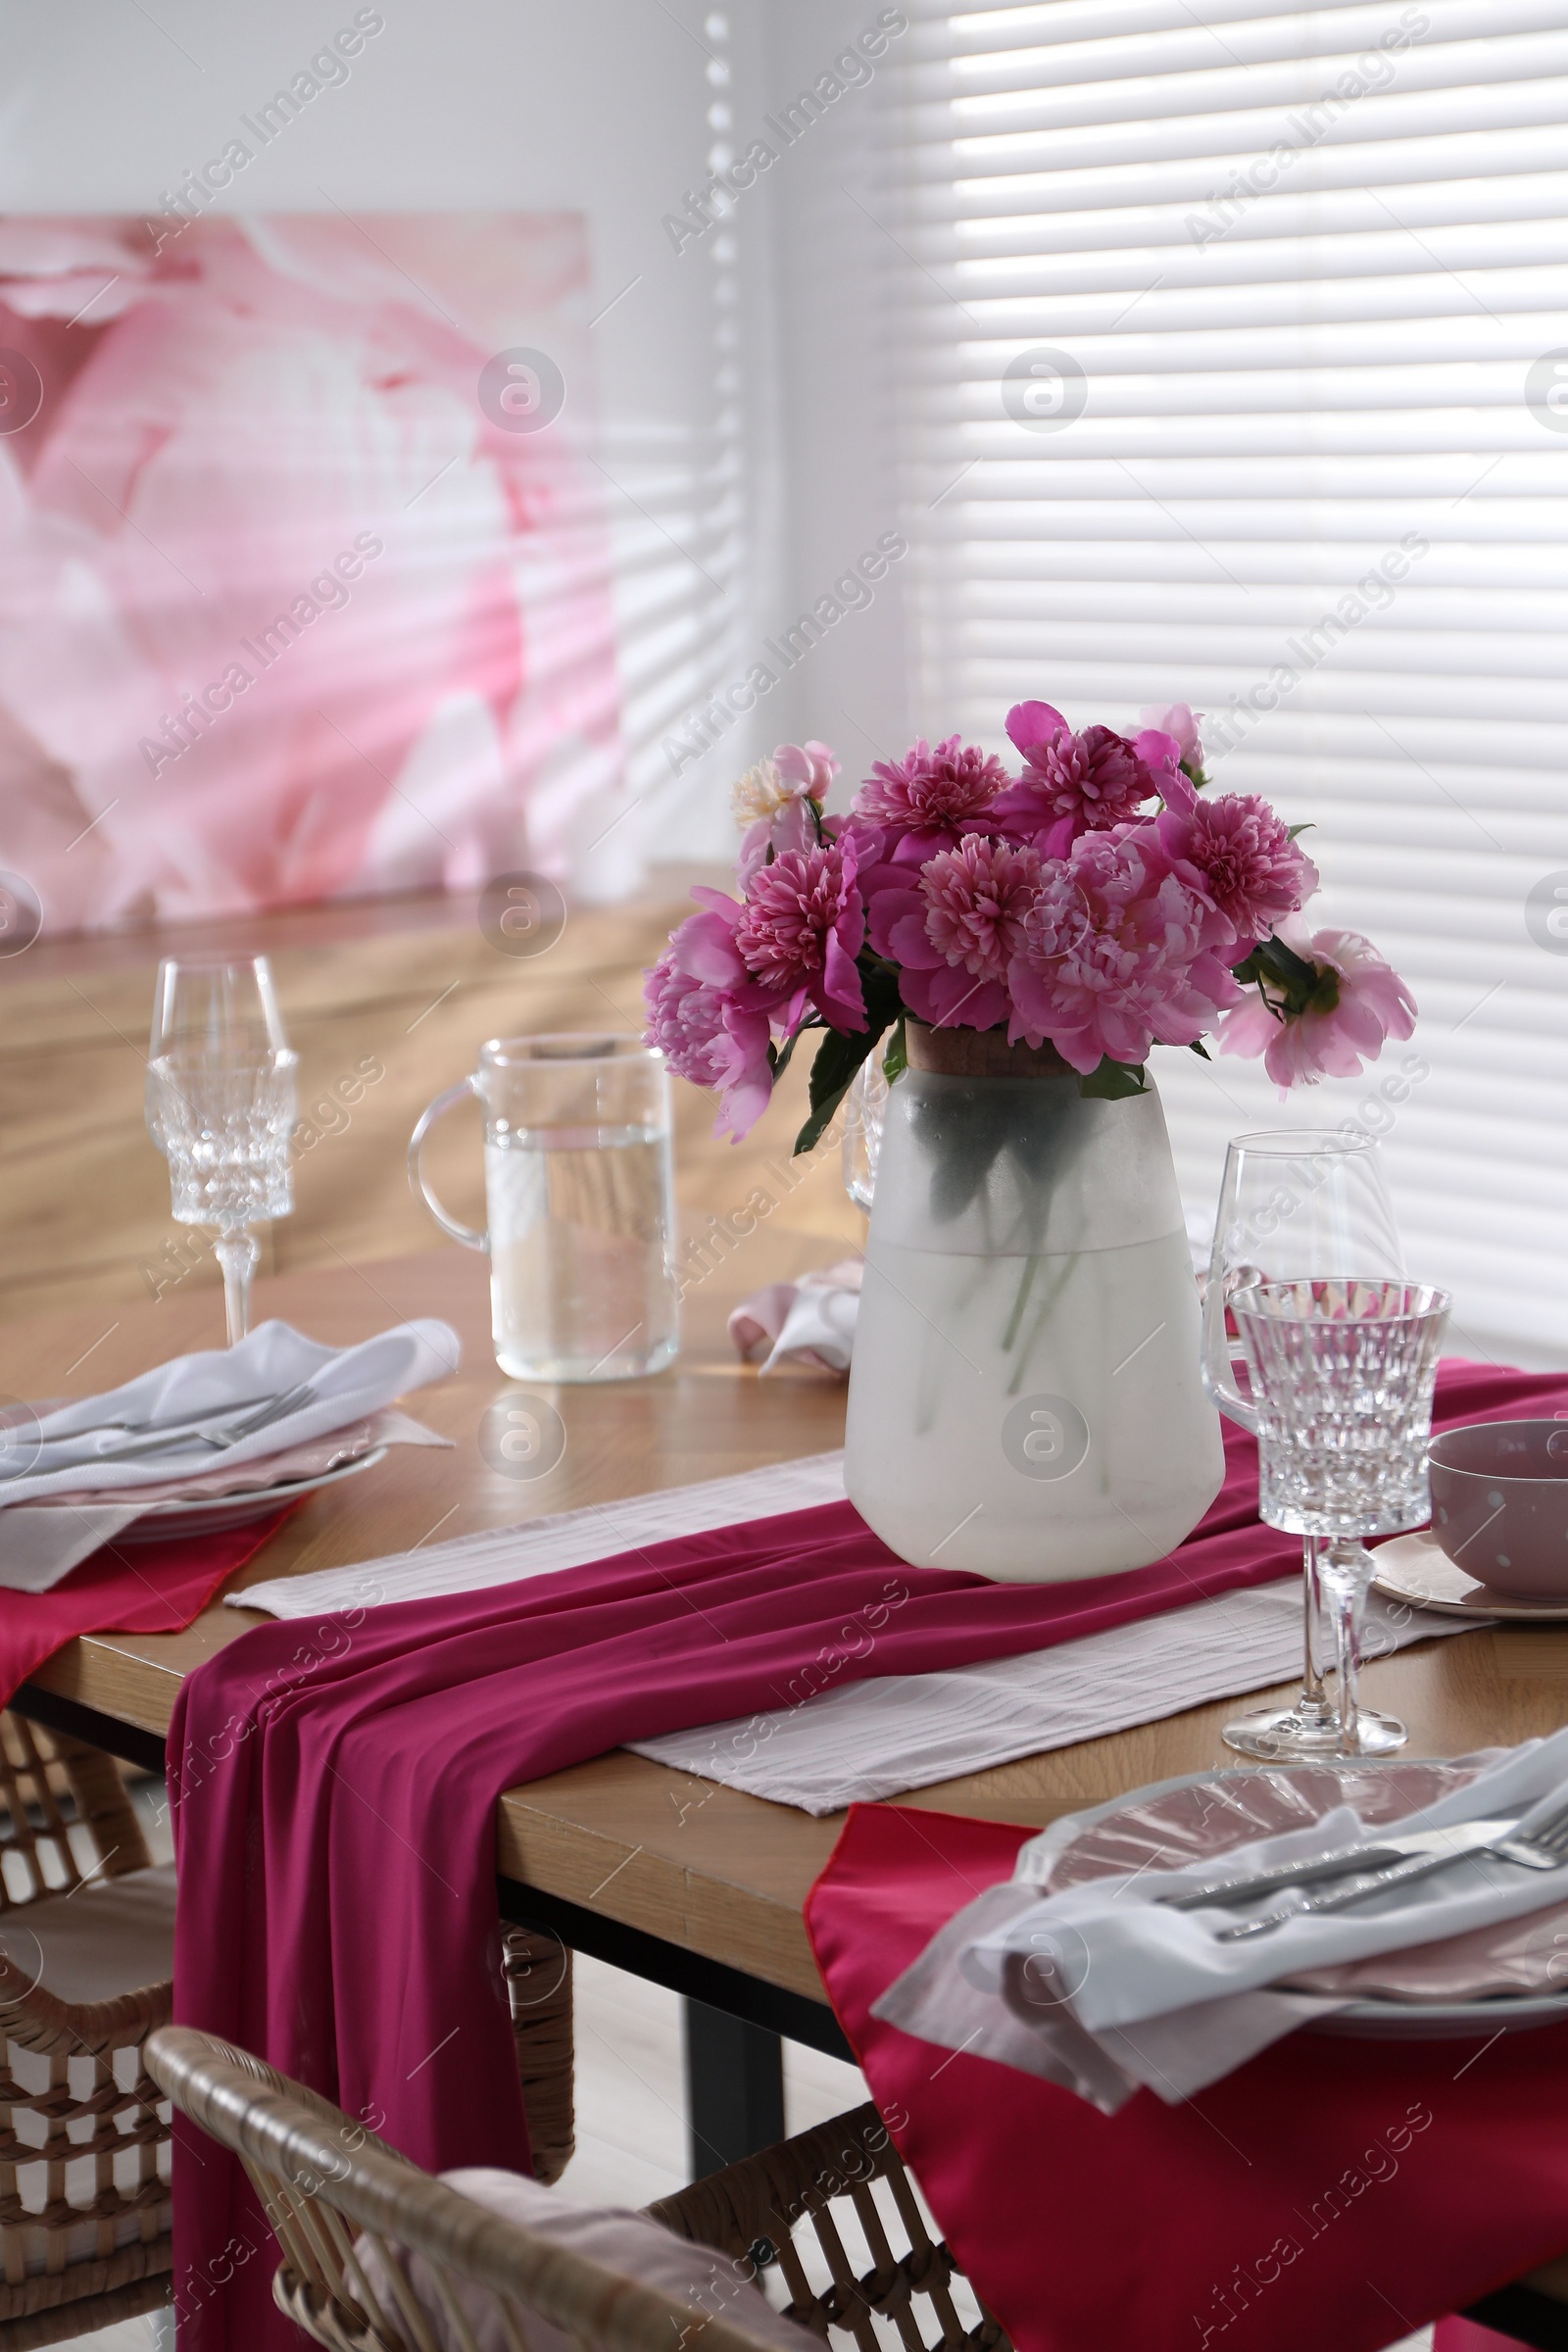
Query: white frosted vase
[1026,1394]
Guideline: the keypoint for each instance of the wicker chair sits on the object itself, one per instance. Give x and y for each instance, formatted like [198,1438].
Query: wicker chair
[368,2240]
[779,2207]
[320,2179]
[85,2212]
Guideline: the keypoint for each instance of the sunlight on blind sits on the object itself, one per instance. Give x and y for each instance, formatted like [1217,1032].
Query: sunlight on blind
[1236,366]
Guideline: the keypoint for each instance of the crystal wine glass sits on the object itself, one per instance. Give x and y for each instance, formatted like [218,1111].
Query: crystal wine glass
[1342,1375]
[221,1108]
[1294,1204]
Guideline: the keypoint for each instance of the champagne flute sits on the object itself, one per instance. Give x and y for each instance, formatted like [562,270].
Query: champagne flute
[220,1107]
[1297,1205]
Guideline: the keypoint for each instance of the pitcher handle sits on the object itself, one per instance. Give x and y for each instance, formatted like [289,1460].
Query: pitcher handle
[1221,1355]
[416,1177]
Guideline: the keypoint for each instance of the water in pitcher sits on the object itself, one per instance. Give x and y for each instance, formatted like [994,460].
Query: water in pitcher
[1056,1383]
[581,1283]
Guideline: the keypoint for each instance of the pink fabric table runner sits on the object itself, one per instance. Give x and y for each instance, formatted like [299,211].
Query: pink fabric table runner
[334,1788]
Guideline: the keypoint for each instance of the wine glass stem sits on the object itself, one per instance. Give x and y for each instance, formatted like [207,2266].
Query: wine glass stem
[237,1252]
[1313,1700]
[1347,1574]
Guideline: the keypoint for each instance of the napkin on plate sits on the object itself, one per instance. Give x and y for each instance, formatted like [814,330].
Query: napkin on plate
[1104,1989]
[807,1322]
[67,1462]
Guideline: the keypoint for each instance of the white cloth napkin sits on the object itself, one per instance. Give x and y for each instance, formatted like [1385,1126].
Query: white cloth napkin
[807,1322]
[74,1454]
[1103,1988]
[875,1738]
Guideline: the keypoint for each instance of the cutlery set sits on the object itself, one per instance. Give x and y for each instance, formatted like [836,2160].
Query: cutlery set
[173,1436]
[1357,1873]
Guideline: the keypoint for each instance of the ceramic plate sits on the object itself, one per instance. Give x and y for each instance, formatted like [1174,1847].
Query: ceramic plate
[1204,1814]
[1415,1568]
[207,1514]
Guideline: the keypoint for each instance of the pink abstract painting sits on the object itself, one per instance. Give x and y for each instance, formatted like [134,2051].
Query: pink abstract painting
[304,576]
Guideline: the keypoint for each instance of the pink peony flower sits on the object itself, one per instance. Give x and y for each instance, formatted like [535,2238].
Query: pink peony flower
[1360,1002]
[977,897]
[1161,754]
[800,930]
[1236,851]
[952,928]
[925,802]
[1071,783]
[1113,956]
[707,1036]
[772,800]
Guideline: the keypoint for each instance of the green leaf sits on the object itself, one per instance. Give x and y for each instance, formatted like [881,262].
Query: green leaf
[1294,830]
[1198,1046]
[838,1058]
[1113,1081]
[895,1060]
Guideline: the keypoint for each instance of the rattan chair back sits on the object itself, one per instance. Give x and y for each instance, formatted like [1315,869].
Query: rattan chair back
[329,2187]
[72,2263]
[798,2204]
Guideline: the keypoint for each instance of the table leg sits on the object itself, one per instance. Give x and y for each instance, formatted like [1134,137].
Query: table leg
[734,2087]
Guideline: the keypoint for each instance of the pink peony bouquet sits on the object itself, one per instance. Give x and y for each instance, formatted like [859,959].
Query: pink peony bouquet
[1103,902]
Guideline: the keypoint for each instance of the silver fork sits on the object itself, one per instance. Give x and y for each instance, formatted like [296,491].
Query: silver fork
[1545,1848]
[276,1408]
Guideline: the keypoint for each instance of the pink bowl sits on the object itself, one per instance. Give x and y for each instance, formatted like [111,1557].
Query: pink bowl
[1500,1504]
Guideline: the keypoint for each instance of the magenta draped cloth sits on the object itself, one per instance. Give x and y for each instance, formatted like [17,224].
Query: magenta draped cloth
[335,1780]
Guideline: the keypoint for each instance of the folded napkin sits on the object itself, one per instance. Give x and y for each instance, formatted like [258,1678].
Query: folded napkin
[72,1453]
[1330,2193]
[69,1461]
[1102,1987]
[807,1322]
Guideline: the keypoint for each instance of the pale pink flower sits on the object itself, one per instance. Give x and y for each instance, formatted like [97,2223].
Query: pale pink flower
[800,930]
[1235,850]
[1179,721]
[927,801]
[810,766]
[772,800]
[1360,1002]
[1113,958]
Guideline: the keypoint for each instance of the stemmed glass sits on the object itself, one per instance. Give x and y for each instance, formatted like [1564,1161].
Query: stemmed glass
[221,1108]
[1296,1203]
[1342,1376]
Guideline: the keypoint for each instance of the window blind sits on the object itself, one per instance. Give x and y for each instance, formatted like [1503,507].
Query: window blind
[1235,366]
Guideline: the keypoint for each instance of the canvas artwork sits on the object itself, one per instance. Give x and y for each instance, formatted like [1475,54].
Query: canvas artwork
[304,579]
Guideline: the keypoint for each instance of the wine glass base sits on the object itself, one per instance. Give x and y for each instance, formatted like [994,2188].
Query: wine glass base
[1301,1735]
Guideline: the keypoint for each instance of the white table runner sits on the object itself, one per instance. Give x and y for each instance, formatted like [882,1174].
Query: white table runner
[876,1738]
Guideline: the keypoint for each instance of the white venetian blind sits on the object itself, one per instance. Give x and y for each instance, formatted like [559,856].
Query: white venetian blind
[1293,288]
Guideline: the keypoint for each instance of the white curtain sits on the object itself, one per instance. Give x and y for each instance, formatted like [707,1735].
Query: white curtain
[1235,371]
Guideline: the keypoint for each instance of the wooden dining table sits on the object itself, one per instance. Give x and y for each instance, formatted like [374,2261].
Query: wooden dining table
[691,1884]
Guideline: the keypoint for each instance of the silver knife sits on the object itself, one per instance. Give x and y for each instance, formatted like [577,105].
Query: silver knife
[1462,1838]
